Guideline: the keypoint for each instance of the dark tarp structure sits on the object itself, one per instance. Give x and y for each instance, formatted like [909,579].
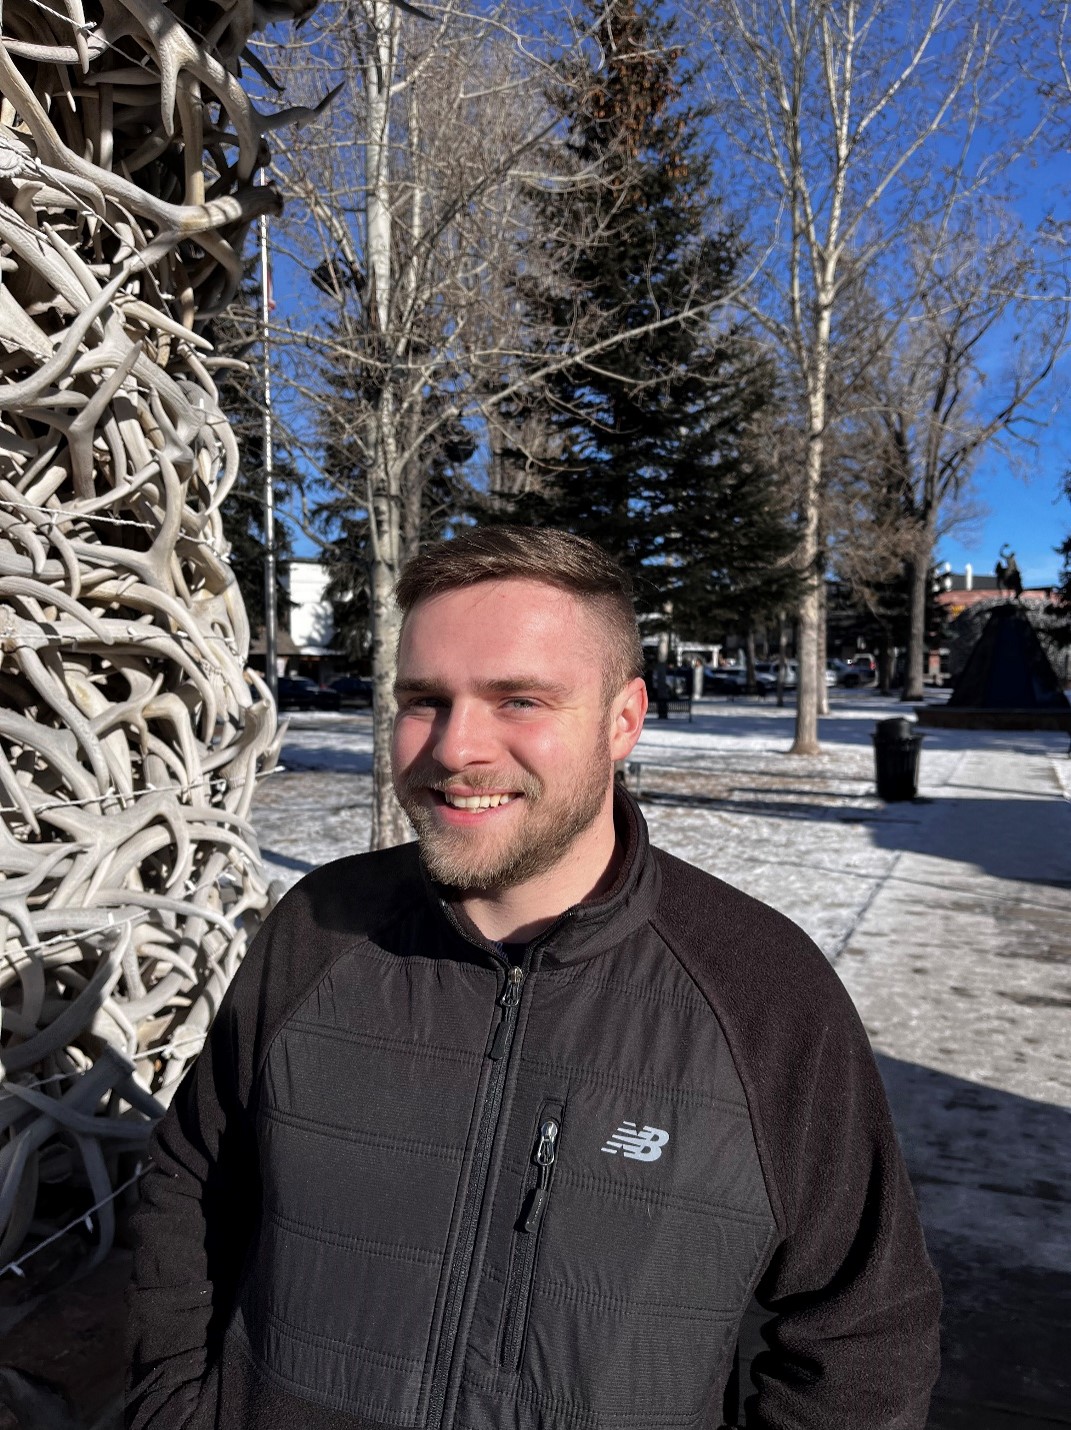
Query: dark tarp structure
[1008,668]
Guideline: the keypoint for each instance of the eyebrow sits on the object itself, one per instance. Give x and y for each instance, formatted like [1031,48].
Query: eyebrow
[501,685]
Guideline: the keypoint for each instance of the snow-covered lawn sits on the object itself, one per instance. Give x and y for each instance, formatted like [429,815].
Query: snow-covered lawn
[808,835]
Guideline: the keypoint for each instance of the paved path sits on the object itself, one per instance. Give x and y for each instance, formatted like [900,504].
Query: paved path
[961,969]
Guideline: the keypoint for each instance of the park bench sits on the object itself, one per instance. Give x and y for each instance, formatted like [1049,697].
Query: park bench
[675,705]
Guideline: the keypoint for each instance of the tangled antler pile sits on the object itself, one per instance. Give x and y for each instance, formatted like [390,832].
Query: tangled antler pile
[130,731]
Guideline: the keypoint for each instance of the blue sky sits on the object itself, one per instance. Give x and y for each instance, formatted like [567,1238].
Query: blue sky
[1019,492]
[1031,515]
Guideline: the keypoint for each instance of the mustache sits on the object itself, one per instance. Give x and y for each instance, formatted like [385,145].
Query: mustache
[426,777]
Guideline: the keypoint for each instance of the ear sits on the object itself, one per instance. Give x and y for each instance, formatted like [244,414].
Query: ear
[627,715]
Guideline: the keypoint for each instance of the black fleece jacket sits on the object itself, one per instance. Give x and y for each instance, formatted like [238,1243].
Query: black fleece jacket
[406,1185]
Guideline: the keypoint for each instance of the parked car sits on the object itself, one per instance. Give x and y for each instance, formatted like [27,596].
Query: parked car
[768,668]
[723,680]
[353,689]
[862,670]
[298,692]
[836,671]
[732,680]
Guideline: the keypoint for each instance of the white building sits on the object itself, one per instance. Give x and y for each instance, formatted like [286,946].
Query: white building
[311,620]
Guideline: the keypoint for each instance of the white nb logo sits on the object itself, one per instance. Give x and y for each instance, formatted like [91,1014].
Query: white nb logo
[642,1145]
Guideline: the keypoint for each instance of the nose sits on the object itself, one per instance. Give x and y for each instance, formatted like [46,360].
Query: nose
[463,736]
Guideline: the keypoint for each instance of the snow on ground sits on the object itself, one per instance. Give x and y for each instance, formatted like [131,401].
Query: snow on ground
[948,919]
[808,835]
[316,805]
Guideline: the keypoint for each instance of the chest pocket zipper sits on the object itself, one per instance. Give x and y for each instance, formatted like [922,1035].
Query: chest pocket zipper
[526,1234]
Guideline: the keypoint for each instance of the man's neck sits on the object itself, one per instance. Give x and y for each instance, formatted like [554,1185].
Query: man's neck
[523,912]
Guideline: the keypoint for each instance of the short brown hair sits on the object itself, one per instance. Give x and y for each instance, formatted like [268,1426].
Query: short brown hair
[557,558]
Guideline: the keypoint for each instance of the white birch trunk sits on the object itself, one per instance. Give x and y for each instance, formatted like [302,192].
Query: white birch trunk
[822,642]
[389,824]
[806,735]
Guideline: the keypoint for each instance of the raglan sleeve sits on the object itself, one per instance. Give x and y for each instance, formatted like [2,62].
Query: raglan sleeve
[853,1301]
[196,1210]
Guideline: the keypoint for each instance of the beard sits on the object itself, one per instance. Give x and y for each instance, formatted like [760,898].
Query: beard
[479,861]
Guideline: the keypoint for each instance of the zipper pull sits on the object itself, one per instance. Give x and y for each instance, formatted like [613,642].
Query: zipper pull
[508,1002]
[547,1146]
[511,994]
[545,1154]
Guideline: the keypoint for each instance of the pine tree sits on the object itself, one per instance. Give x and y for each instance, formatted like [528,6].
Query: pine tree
[654,434]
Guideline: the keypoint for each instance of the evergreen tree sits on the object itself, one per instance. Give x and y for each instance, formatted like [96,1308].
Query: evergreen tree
[652,435]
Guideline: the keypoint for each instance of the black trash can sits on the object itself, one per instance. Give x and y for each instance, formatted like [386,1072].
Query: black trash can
[897,744]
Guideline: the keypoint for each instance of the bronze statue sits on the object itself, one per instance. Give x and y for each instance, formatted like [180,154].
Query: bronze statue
[1007,573]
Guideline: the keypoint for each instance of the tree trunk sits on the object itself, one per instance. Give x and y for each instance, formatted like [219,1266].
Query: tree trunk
[918,572]
[389,825]
[750,683]
[661,677]
[782,656]
[885,663]
[823,640]
[806,740]
[918,577]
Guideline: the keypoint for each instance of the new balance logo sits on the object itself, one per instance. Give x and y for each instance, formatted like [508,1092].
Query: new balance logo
[642,1145]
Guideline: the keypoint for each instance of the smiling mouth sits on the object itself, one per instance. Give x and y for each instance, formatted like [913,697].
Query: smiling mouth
[475,801]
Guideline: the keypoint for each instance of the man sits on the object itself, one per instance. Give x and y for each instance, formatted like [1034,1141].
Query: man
[506,1129]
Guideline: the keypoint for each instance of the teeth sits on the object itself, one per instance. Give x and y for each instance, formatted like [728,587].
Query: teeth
[476,801]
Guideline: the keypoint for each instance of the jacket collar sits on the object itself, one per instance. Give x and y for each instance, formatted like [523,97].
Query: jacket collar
[586,929]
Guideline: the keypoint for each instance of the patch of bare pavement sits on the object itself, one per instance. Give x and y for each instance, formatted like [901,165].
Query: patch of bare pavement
[961,969]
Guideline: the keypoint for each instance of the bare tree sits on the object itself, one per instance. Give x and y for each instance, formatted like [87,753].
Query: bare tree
[852,119]
[942,400]
[407,204]
[873,530]
[403,203]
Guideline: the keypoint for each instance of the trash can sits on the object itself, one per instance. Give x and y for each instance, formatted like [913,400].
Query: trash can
[896,758]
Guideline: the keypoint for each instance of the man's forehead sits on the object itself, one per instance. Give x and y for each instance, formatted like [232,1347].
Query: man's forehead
[499,621]
[518,605]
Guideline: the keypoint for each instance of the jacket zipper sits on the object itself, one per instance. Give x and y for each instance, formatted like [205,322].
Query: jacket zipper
[509,1003]
[498,1053]
[526,1242]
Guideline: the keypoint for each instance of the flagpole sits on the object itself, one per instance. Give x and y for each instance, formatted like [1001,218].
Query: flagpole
[271,632]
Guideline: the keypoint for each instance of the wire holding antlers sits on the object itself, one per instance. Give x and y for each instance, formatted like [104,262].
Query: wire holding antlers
[131,731]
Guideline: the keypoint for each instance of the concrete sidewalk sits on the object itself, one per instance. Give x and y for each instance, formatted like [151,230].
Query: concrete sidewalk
[961,969]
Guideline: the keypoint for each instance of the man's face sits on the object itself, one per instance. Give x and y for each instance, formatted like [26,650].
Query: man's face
[501,705]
